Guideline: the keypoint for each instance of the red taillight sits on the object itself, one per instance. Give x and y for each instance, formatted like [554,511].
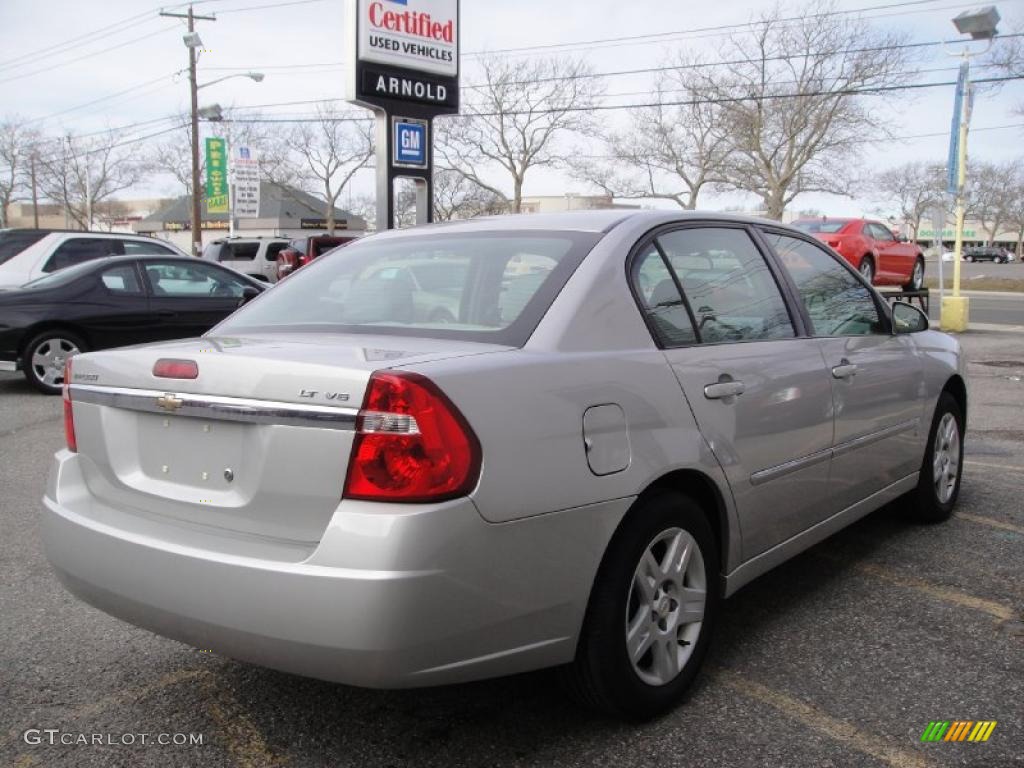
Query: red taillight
[833,244]
[166,368]
[69,414]
[411,443]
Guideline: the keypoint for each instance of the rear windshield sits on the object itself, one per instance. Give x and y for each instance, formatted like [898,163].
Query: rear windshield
[489,287]
[14,242]
[824,226]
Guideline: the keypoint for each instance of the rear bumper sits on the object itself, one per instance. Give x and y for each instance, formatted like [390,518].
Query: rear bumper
[392,596]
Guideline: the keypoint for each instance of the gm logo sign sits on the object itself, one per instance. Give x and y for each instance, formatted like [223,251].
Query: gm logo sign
[410,143]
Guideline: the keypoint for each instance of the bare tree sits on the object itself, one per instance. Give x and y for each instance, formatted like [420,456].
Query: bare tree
[456,197]
[915,187]
[326,152]
[789,105]
[1015,210]
[17,143]
[991,195]
[668,152]
[516,119]
[81,173]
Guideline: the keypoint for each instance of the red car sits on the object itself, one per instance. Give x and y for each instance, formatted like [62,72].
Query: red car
[300,252]
[872,248]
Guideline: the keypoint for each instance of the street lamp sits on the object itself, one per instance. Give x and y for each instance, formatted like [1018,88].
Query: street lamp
[980,25]
[193,42]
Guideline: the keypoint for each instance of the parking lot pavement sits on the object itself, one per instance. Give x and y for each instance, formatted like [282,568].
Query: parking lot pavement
[840,657]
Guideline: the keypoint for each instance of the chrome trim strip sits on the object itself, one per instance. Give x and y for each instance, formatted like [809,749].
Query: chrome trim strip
[771,473]
[240,409]
[8,365]
[874,437]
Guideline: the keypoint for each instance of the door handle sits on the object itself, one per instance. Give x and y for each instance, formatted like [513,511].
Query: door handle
[845,370]
[723,389]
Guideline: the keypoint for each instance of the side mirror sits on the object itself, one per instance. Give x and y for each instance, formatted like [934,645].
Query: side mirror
[907,318]
[248,294]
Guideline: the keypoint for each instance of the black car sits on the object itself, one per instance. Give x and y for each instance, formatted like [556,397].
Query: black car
[113,302]
[988,253]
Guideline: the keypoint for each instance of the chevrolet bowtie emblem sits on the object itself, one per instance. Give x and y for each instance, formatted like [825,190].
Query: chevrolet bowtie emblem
[169,402]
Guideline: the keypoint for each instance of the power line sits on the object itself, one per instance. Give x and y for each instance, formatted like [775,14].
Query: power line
[109,48]
[871,91]
[696,31]
[270,5]
[108,98]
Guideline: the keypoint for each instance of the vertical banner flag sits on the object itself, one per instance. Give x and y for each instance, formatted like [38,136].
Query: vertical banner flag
[216,176]
[953,163]
[245,172]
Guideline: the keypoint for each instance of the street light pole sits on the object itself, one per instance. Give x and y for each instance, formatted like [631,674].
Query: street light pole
[197,214]
[192,42]
[980,25]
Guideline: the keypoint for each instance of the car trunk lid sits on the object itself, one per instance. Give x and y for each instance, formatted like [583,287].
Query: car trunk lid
[257,443]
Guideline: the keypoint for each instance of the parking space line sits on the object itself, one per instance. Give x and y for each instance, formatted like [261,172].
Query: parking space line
[947,595]
[944,594]
[990,522]
[813,718]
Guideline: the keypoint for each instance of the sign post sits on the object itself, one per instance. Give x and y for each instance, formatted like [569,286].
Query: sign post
[404,65]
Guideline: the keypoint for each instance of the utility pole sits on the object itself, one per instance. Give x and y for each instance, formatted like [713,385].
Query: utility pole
[190,40]
[35,196]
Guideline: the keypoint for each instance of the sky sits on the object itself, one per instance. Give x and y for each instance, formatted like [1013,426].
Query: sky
[78,67]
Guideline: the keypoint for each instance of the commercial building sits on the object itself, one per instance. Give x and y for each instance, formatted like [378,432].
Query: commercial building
[283,211]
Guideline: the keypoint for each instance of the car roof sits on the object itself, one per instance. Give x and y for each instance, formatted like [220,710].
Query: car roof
[597,221]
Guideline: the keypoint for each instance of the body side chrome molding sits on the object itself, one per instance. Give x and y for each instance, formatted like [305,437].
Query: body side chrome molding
[772,473]
[874,437]
[249,411]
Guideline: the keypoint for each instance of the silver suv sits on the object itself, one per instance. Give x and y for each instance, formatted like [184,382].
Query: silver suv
[252,256]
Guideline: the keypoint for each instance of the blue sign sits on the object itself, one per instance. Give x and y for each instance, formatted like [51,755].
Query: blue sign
[410,143]
[953,162]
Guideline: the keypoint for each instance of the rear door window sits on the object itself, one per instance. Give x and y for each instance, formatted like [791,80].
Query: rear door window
[728,285]
[661,301]
[122,279]
[78,250]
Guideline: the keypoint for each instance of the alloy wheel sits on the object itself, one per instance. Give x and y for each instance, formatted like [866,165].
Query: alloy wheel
[946,458]
[48,360]
[918,277]
[867,270]
[665,606]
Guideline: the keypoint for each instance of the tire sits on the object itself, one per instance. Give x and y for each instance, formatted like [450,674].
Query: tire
[867,269]
[931,501]
[44,356]
[969,259]
[603,676]
[916,277]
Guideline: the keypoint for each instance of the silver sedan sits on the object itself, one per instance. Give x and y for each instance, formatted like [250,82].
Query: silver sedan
[624,418]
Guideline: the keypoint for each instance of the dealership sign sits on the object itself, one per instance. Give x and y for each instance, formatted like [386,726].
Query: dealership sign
[245,171]
[406,51]
[404,65]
